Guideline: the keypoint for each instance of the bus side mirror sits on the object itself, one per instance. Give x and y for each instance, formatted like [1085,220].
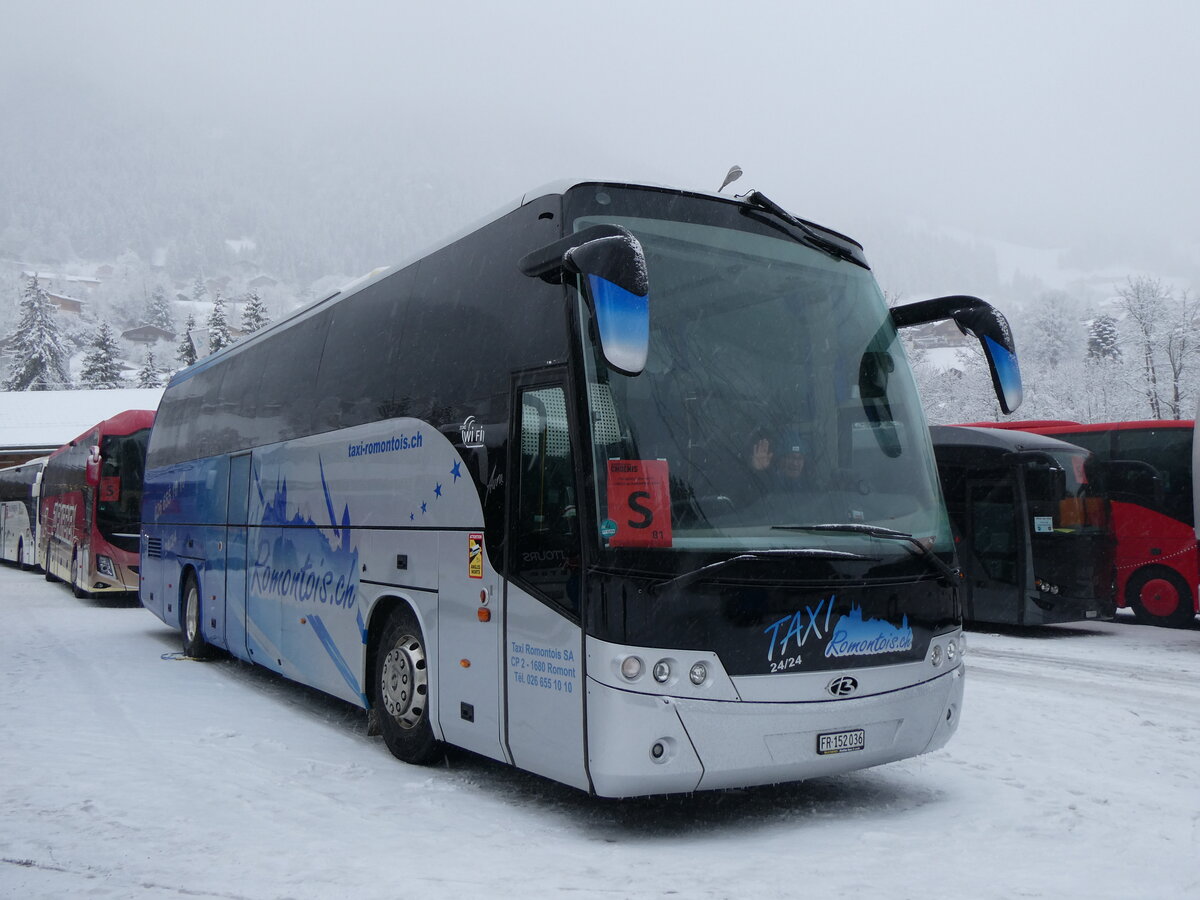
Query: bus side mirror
[615,285]
[985,323]
[92,467]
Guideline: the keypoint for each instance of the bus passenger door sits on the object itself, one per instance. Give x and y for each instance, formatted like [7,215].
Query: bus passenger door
[543,647]
[236,546]
[995,539]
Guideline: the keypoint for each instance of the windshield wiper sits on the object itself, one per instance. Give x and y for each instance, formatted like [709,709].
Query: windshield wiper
[949,572]
[820,242]
[755,556]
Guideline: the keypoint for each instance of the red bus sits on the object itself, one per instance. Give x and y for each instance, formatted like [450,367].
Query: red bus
[90,520]
[1149,469]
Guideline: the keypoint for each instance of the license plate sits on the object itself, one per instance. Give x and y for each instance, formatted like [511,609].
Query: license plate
[841,741]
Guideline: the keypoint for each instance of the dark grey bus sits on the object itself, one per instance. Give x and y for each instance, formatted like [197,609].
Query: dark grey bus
[1032,524]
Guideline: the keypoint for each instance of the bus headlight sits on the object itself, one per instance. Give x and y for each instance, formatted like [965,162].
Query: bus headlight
[104,566]
[631,668]
[662,671]
[951,652]
[698,673]
[936,656]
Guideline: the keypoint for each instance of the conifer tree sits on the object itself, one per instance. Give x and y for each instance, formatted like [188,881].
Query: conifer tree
[1104,340]
[218,327]
[186,353]
[100,366]
[199,291]
[148,376]
[158,311]
[254,314]
[39,358]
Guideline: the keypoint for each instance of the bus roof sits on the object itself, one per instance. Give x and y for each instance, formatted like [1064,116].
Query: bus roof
[997,439]
[126,422]
[555,188]
[1060,426]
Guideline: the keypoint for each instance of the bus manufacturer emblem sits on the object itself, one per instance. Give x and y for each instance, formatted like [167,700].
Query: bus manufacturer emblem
[843,686]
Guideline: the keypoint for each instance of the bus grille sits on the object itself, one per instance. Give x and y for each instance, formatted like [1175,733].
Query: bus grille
[154,548]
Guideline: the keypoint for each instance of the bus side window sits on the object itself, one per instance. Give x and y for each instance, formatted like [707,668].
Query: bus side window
[547,536]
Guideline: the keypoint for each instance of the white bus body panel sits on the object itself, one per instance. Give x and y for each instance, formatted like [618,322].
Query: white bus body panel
[710,744]
[545,684]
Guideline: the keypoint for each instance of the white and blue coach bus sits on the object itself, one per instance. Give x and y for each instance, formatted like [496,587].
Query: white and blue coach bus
[525,495]
[19,490]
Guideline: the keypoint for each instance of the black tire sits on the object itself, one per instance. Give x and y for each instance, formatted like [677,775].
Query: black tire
[75,588]
[21,564]
[1159,596]
[191,610]
[46,566]
[400,691]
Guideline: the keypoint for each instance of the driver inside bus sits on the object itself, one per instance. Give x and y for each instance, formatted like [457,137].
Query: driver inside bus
[778,462]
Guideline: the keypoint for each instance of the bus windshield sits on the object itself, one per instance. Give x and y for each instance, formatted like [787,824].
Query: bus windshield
[1065,494]
[119,495]
[776,394]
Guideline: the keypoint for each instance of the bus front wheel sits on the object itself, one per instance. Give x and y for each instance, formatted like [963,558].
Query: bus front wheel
[75,588]
[194,644]
[400,693]
[46,567]
[1159,596]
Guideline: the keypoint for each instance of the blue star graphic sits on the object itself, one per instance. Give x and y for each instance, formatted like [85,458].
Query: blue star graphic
[438,490]
[422,509]
[412,517]
[455,471]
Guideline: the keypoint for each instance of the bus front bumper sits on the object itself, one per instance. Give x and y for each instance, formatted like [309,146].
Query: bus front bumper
[641,744]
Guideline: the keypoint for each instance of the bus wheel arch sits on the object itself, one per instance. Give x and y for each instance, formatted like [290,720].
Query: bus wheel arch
[46,566]
[1158,595]
[398,673]
[191,609]
[21,564]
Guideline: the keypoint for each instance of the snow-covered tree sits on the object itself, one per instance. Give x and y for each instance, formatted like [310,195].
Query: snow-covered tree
[1144,301]
[39,357]
[1180,348]
[101,368]
[158,310]
[186,352]
[1104,338]
[148,375]
[254,313]
[218,327]
[199,291]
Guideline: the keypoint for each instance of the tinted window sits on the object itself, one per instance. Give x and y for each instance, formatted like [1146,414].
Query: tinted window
[362,354]
[1169,452]
[289,362]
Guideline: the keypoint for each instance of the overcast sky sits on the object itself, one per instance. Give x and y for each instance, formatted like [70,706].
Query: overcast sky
[1043,122]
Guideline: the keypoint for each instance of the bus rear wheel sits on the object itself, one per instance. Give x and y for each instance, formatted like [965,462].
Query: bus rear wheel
[1159,596]
[194,644]
[46,567]
[400,692]
[21,564]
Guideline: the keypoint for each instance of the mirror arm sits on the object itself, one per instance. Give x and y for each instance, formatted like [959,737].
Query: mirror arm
[549,263]
[956,307]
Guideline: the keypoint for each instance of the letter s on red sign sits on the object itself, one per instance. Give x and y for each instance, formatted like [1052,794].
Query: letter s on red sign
[639,501]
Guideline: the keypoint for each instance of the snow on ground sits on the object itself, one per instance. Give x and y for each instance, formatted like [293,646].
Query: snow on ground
[128,772]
